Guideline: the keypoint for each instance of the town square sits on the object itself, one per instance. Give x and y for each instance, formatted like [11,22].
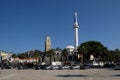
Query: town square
[89,74]
[59,40]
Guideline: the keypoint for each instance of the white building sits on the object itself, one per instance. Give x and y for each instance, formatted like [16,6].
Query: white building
[70,49]
[5,55]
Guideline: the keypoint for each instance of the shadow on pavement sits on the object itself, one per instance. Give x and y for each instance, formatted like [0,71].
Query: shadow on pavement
[69,75]
[118,75]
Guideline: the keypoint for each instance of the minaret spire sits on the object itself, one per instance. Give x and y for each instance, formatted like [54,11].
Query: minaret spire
[75,20]
[76,30]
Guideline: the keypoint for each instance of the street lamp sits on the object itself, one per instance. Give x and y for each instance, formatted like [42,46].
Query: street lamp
[0,58]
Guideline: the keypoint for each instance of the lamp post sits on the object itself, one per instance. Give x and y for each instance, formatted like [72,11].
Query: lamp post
[0,61]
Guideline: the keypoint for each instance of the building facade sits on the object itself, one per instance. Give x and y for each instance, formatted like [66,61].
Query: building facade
[5,55]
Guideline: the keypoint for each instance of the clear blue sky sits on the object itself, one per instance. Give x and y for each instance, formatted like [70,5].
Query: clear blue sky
[24,24]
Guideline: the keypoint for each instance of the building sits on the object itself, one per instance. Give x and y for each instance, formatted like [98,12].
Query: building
[5,55]
[58,55]
[72,50]
[47,44]
[28,60]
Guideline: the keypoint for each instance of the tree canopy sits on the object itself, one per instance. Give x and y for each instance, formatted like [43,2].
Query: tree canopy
[94,48]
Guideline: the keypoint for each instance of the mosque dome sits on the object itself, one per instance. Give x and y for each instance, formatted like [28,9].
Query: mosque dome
[70,47]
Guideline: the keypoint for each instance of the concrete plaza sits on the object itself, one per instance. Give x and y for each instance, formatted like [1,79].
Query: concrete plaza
[89,74]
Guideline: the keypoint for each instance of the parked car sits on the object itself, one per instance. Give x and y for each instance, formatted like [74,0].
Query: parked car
[37,67]
[109,65]
[76,66]
[22,67]
[58,67]
[87,66]
[6,66]
[45,67]
[117,67]
[48,67]
[66,67]
[25,66]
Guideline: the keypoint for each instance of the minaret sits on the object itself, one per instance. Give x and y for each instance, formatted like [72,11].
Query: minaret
[76,30]
[47,44]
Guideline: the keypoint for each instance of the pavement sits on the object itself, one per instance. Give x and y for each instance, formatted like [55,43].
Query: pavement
[88,74]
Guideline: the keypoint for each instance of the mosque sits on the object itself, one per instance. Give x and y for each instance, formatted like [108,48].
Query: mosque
[71,50]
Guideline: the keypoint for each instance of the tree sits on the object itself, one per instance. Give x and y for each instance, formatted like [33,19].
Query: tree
[50,54]
[22,56]
[30,54]
[64,54]
[36,54]
[114,56]
[94,48]
[14,56]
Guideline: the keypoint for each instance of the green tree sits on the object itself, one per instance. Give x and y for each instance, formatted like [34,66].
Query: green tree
[94,48]
[36,54]
[22,56]
[14,55]
[30,54]
[50,54]
[114,56]
[64,54]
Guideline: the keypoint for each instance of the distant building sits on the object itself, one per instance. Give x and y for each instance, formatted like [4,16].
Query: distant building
[58,55]
[47,44]
[26,60]
[5,55]
[70,51]
[29,60]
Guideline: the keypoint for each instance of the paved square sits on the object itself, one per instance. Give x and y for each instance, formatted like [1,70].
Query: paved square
[89,74]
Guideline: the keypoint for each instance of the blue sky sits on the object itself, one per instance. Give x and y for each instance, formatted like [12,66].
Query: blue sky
[24,24]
